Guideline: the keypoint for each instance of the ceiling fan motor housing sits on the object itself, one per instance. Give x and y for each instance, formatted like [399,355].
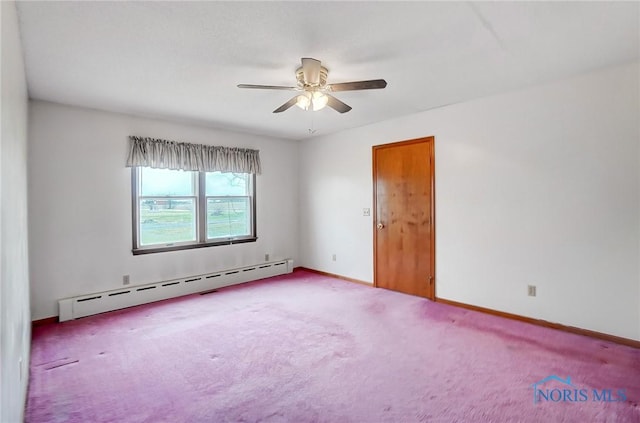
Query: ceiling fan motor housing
[302,83]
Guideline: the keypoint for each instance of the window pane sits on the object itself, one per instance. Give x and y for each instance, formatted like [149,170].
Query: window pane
[221,184]
[165,182]
[167,220]
[228,217]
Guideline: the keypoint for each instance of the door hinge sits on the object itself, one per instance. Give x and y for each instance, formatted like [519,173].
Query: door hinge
[431,280]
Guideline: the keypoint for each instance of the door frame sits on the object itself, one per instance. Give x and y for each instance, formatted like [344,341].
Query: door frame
[430,140]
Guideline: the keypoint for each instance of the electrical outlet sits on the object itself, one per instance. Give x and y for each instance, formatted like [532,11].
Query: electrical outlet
[366,212]
[125,280]
[333,257]
[266,257]
[531,290]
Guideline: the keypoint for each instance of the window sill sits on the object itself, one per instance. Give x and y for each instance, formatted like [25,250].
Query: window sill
[151,250]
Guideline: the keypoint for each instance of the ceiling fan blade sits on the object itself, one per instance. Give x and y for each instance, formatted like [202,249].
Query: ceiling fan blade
[374,84]
[311,70]
[286,105]
[337,105]
[268,87]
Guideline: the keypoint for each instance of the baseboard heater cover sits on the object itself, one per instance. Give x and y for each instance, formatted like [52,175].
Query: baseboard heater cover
[100,302]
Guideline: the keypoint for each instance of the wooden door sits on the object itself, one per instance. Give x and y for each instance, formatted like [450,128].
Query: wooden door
[404,237]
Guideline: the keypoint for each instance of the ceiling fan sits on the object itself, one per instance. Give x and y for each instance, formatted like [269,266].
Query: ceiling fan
[314,90]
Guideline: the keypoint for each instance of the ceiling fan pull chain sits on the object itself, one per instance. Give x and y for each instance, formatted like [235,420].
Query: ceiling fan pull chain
[312,130]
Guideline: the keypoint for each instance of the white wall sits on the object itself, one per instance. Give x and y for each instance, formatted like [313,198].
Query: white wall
[80,204]
[15,321]
[538,186]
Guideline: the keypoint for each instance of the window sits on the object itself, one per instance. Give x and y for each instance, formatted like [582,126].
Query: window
[175,209]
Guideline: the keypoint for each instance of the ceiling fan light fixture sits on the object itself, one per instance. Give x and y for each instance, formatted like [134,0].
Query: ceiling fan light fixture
[312,100]
[303,101]
[319,101]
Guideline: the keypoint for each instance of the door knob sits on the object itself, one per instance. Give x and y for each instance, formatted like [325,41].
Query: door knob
[380,226]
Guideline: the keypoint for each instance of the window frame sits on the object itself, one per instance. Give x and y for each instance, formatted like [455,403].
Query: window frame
[200,218]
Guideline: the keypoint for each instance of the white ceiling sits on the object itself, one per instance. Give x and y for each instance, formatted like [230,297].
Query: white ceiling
[182,61]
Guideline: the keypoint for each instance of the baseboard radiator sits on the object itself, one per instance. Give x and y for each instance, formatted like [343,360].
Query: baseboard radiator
[100,302]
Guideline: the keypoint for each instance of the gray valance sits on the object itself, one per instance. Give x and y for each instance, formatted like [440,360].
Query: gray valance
[162,154]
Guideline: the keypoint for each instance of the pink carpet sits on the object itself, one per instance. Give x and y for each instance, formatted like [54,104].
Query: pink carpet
[306,348]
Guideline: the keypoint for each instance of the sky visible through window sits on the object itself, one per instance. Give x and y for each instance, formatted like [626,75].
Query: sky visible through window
[164,182]
[167,182]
